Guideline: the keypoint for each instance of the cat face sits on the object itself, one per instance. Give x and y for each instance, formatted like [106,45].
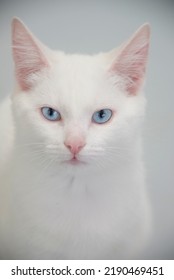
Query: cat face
[78,110]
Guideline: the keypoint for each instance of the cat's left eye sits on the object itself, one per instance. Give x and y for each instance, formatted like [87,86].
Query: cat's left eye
[102,116]
[50,114]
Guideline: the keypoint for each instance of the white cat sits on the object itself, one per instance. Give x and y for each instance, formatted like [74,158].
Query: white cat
[72,180]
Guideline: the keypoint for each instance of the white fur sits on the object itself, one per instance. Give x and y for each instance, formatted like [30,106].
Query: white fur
[54,210]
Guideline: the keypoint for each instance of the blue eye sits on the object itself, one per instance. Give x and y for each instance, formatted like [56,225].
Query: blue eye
[102,116]
[50,114]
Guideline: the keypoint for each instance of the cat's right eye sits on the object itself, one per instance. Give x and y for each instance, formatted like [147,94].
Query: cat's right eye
[50,114]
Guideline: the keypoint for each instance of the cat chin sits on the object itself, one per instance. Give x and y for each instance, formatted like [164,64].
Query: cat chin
[78,168]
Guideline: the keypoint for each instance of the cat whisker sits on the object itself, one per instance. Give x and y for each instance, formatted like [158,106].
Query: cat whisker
[31,154]
[45,167]
[29,145]
[117,148]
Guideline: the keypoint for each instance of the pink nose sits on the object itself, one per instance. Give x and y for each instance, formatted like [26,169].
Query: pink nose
[74,146]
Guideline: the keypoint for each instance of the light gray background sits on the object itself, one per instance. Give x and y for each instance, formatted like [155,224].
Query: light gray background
[94,26]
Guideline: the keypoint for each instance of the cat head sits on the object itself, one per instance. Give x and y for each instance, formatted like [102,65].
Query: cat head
[78,110]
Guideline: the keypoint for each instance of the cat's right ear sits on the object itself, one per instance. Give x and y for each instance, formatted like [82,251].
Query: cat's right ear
[28,54]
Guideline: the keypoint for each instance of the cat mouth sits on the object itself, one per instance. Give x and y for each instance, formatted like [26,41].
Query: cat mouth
[75,161]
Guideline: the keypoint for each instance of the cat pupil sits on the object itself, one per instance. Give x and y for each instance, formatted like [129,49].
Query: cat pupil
[50,111]
[101,114]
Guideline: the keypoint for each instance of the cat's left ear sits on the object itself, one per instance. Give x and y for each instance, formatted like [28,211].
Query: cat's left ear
[131,60]
[28,54]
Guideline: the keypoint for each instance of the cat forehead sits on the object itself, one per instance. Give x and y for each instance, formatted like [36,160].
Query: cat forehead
[79,65]
[78,78]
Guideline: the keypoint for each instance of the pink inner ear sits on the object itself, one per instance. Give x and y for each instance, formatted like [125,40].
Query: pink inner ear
[136,71]
[131,67]
[130,63]
[26,65]
[28,56]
